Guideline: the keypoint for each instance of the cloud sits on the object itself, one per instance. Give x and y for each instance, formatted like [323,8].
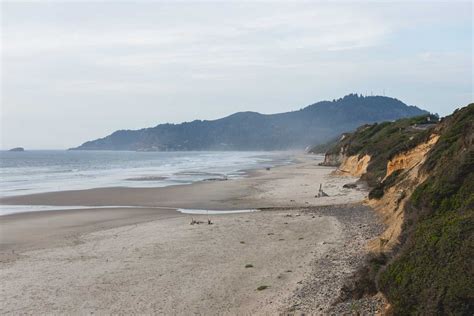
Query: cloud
[154,61]
[321,29]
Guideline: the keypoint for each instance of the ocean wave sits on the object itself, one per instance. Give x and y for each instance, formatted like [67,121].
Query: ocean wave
[45,171]
[198,173]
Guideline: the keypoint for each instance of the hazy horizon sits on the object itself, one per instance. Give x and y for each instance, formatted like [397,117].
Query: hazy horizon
[76,71]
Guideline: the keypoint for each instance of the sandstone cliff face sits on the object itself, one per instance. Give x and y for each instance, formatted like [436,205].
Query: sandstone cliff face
[410,158]
[354,165]
[392,204]
[334,160]
[336,157]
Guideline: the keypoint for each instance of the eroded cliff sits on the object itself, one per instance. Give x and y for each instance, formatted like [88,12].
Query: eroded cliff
[422,183]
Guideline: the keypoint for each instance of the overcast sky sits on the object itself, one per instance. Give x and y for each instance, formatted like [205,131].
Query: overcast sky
[76,71]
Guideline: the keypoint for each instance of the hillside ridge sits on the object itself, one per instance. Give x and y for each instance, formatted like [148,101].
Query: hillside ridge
[314,124]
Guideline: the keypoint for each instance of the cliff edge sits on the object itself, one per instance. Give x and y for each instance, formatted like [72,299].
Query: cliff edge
[420,171]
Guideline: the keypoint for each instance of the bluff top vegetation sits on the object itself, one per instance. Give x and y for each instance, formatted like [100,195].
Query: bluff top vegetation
[431,271]
[383,141]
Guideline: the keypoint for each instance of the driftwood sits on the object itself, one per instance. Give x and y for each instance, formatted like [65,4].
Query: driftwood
[195,222]
[321,193]
[350,186]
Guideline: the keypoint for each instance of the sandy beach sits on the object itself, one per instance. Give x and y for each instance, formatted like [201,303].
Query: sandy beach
[149,259]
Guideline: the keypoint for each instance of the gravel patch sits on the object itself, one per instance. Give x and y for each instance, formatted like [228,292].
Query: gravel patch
[319,290]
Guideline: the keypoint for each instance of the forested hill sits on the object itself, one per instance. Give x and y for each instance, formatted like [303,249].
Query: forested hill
[314,124]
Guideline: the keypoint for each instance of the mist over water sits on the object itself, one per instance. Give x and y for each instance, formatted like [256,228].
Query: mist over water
[52,170]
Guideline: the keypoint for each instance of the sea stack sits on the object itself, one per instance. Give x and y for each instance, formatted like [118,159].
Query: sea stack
[17,149]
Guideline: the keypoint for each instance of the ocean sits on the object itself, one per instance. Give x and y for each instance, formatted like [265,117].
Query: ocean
[38,171]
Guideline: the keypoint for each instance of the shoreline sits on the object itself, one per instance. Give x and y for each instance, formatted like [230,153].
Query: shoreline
[77,177]
[295,242]
[259,189]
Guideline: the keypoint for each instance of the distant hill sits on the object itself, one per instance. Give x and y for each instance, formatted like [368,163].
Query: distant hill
[17,149]
[315,124]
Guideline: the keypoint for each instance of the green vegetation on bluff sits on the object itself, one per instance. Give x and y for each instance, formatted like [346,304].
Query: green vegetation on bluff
[431,272]
[382,141]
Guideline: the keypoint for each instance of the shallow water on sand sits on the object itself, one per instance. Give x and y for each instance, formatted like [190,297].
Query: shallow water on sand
[14,209]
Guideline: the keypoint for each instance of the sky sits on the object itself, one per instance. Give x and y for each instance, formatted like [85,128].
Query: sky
[73,71]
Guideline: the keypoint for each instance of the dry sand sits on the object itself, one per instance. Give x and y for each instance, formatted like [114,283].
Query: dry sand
[149,260]
[35,230]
